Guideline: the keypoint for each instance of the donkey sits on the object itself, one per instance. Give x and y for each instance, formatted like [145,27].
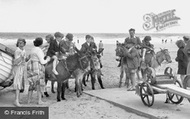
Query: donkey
[154,60]
[95,72]
[75,65]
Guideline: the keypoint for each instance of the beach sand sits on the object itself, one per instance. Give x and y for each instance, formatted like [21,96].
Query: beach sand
[87,107]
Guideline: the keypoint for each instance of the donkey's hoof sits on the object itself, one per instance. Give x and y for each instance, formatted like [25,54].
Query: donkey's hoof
[63,98]
[46,94]
[58,100]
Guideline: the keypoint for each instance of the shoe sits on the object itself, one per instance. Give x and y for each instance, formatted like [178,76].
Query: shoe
[55,72]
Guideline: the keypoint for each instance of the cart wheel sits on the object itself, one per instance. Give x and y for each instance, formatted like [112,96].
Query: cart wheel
[146,93]
[186,83]
[176,99]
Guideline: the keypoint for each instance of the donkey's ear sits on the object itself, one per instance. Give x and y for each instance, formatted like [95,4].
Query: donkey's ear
[77,50]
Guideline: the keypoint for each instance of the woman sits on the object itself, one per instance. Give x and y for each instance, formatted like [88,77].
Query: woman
[181,59]
[19,70]
[36,69]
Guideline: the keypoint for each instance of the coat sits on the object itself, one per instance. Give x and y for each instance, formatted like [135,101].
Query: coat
[132,58]
[53,48]
[86,48]
[135,40]
[186,51]
[182,61]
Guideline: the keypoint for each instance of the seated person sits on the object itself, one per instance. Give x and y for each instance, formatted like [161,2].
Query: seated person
[147,47]
[67,47]
[54,50]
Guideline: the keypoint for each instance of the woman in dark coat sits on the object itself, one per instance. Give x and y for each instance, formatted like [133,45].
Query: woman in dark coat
[181,59]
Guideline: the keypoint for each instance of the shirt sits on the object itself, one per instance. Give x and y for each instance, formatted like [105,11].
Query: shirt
[37,55]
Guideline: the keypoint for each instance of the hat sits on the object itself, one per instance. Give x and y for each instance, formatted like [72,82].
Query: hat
[58,35]
[147,38]
[131,29]
[186,38]
[69,36]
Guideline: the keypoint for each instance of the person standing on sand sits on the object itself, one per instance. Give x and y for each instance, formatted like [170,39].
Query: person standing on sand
[36,70]
[132,56]
[101,47]
[19,69]
[181,59]
[132,39]
[186,50]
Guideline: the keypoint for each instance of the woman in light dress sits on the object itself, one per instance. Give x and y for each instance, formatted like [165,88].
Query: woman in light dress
[19,69]
[35,67]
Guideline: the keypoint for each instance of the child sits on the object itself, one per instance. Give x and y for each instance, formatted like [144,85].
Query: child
[46,45]
[19,70]
[181,59]
[54,49]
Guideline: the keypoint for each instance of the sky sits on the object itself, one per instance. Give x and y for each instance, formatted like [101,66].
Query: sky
[88,16]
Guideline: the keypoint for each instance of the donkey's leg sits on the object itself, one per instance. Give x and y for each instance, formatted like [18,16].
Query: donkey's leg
[84,80]
[45,91]
[63,91]
[127,78]
[78,85]
[100,81]
[52,86]
[87,77]
[59,84]
[121,77]
[92,81]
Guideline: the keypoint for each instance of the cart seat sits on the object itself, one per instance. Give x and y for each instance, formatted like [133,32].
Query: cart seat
[164,79]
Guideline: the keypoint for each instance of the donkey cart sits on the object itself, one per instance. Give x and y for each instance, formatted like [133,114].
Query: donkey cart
[162,84]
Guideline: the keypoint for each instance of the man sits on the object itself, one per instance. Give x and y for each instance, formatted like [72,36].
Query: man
[132,39]
[132,58]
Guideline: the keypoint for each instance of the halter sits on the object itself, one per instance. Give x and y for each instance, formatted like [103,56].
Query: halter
[80,62]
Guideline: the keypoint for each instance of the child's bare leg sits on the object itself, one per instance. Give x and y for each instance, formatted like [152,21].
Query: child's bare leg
[39,95]
[54,65]
[29,96]
[182,78]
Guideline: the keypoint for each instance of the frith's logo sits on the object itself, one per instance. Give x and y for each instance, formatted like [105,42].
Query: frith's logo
[160,21]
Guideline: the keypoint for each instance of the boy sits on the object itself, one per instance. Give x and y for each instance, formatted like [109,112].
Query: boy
[54,50]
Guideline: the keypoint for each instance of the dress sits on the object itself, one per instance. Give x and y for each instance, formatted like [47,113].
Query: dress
[182,61]
[36,69]
[19,69]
